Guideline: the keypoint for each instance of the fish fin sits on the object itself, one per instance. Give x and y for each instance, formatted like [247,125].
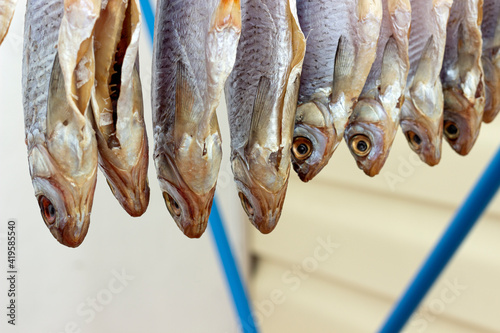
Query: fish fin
[391,71]
[261,111]
[58,108]
[344,62]
[228,14]
[184,103]
[426,68]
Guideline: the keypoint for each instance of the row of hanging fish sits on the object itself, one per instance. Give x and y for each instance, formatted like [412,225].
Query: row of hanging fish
[298,76]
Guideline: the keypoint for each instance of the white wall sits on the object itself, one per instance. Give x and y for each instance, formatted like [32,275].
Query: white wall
[178,284]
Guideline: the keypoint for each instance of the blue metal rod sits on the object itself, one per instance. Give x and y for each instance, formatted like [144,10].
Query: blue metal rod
[233,276]
[463,221]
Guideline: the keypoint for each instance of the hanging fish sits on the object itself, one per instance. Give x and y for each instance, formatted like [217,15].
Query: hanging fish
[261,95]
[7,8]
[341,47]
[462,76]
[375,119]
[58,74]
[490,29]
[422,111]
[194,52]
[117,105]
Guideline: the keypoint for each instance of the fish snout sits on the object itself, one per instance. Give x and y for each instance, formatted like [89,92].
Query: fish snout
[262,207]
[73,232]
[462,121]
[312,148]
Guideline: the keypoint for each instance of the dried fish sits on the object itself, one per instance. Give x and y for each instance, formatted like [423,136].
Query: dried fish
[58,74]
[7,8]
[462,76]
[261,95]
[375,119]
[117,105]
[331,80]
[194,52]
[422,111]
[490,29]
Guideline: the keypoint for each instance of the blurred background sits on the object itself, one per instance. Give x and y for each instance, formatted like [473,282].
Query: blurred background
[343,252]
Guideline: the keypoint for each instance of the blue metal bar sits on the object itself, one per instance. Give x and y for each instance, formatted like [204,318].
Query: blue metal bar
[233,276]
[463,221]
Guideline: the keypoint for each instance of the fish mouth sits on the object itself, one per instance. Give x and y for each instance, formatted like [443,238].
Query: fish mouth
[189,210]
[366,144]
[422,141]
[262,206]
[461,120]
[64,209]
[129,186]
[314,132]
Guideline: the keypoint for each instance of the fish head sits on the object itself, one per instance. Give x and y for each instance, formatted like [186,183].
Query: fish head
[492,85]
[369,135]
[422,121]
[314,140]
[189,191]
[65,201]
[261,177]
[462,118]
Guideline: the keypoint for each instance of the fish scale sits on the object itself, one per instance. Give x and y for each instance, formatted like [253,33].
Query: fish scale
[317,70]
[258,45]
[36,73]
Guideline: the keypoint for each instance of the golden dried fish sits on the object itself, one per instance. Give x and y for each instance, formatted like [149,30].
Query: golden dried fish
[261,95]
[422,111]
[117,105]
[58,74]
[194,52]
[331,81]
[375,118]
[462,76]
[490,29]
[7,8]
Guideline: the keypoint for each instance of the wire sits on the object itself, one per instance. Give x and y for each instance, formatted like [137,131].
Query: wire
[463,221]
[233,276]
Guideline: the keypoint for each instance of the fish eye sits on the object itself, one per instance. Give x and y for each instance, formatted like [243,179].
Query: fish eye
[414,139]
[361,145]
[48,210]
[451,130]
[247,206]
[301,148]
[172,205]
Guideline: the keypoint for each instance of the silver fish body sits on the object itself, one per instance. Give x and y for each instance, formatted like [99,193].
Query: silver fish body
[7,8]
[462,76]
[62,150]
[261,96]
[490,29]
[194,52]
[117,105]
[422,111]
[341,47]
[374,122]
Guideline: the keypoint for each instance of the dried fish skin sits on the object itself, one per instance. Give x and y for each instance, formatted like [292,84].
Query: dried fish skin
[118,106]
[62,150]
[462,76]
[422,111]
[490,29]
[332,76]
[7,8]
[375,119]
[194,52]
[261,97]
